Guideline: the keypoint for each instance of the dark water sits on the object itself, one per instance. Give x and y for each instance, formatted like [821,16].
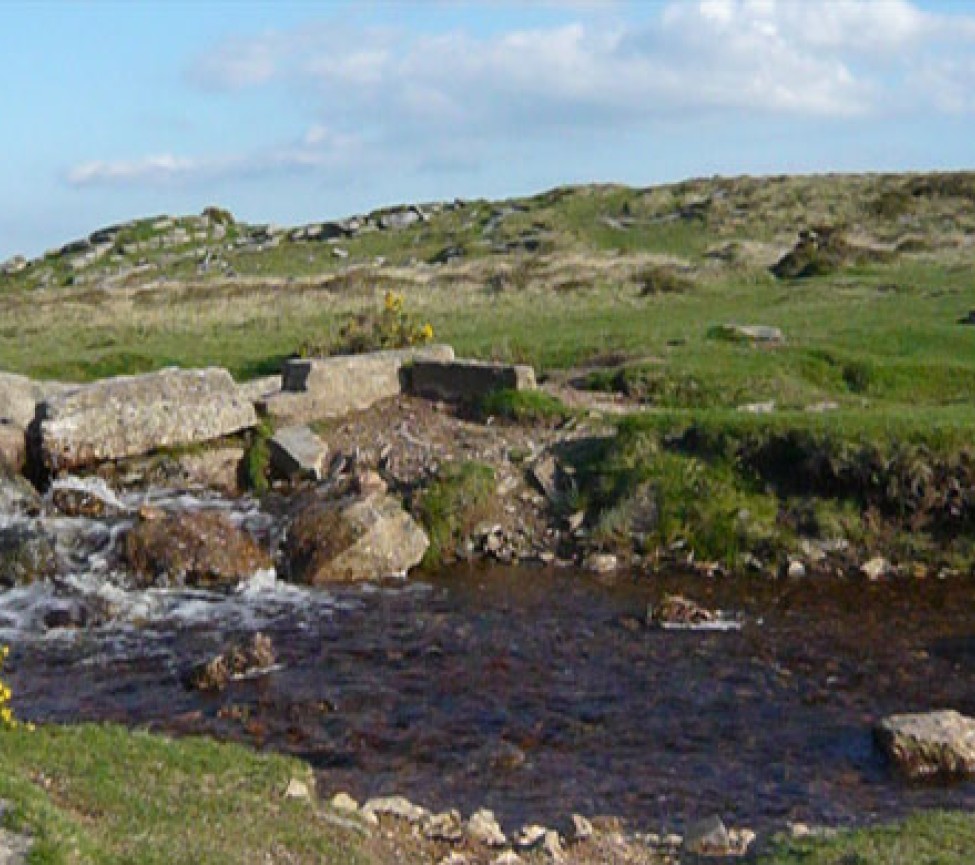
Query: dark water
[535,693]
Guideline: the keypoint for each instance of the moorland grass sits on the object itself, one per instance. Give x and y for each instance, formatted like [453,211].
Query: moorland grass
[109,795]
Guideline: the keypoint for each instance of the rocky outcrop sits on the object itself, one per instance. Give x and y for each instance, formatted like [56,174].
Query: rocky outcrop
[354,538]
[191,548]
[132,415]
[929,744]
[468,380]
[316,388]
[13,445]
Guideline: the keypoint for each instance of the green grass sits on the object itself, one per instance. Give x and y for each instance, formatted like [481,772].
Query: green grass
[926,838]
[532,407]
[104,794]
[459,497]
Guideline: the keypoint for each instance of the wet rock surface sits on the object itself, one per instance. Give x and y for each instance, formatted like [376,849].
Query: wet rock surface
[191,549]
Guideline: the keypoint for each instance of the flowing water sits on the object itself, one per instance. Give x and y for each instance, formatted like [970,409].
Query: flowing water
[534,692]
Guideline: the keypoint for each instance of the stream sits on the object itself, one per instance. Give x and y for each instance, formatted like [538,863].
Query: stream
[531,691]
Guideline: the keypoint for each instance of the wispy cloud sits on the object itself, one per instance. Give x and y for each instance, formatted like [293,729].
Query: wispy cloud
[403,97]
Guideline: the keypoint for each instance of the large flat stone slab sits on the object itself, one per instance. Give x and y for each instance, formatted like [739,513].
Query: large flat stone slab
[467,379]
[317,388]
[133,415]
[930,743]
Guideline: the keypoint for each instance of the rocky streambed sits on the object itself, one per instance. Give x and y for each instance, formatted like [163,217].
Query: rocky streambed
[535,691]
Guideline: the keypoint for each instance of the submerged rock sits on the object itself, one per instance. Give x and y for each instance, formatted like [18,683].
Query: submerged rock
[354,538]
[678,610]
[929,744]
[191,548]
[26,555]
[238,661]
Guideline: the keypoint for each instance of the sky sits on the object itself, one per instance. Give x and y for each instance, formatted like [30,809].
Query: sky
[292,112]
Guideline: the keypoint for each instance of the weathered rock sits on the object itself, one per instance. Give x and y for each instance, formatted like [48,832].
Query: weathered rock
[398,807]
[445,826]
[875,568]
[317,388]
[26,555]
[529,837]
[215,468]
[196,548]
[13,265]
[757,333]
[576,829]
[601,563]
[297,452]
[929,744]
[484,828]
[678,610]
[353,539]
[13,445]
[17,496]
[707,837]
[297,789]
[17,399]
[132,415]
[467,380]
[259,388]
[238,661]
[342,801]
[90,498]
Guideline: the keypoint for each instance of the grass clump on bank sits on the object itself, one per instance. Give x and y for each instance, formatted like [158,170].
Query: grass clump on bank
[459,498]
[729,482]
[104,794]
[926,838]
[257,458]
[532,407]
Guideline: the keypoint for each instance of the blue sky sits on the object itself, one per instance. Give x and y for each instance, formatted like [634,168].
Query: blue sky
[292,112]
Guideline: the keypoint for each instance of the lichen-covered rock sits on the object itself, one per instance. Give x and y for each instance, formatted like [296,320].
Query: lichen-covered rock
[354,538]
[929,744]
[193,548]
[132,415]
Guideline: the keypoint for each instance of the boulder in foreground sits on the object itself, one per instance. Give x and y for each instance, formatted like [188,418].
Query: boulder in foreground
[133,415]
[929,744]
[354,538]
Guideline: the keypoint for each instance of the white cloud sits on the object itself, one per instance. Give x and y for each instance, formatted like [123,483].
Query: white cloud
[404,97]
[150,169]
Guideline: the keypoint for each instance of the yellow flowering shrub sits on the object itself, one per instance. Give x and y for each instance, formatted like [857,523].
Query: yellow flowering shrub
[8,721]
[391,327]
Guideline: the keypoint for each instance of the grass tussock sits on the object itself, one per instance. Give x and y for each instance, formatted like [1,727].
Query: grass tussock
[925,838]
[529,407]
[461,496]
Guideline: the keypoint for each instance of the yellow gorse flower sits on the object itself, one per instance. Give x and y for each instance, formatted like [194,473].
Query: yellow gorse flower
[8,721]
